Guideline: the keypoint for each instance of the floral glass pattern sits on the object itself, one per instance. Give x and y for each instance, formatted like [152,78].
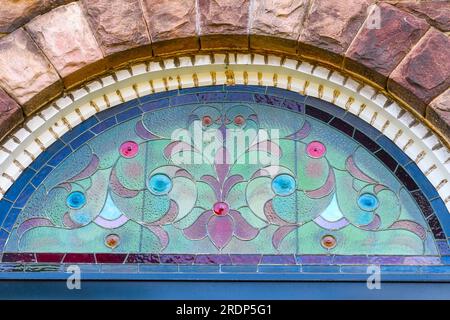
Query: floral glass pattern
[124,191]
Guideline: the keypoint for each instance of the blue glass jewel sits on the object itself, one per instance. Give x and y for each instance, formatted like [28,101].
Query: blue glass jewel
[283,185]
[368,202]
[160,184]
[76,200]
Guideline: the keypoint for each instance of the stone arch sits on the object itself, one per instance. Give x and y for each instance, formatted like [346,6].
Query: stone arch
[327,32]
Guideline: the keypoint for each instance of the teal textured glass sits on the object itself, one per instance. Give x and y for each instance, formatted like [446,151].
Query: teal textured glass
[76,200]
[283,185]
[160,194]
[160,184]
[368,202]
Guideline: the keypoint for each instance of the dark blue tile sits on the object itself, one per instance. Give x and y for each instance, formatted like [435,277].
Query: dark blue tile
[184,99]
[442,214]
[153,105]
[361,125]
[128,104]
[269,100]
[406,179]
[5,205]
[212,97]
[245,88]
[11,219]
[79,129]
[82,139]
[278,259]
[41,175]
[26,193]
[3,237]
[314,259]
[104,125]
[177,258]
[60,156]
[442,245]
[386,158]
[425,185]
[212,259]
[110,112]
[318,114]
[445,260]
[293,105]
[158,96]
[385,260]
[47,154]
[342,126]
[423,203]
[142,258]
[239,97]
[129,114]
[325,106]
[393,150]
[14,191]
[367,142]
[283,93]
[201,89]
[245,258]
[351,260]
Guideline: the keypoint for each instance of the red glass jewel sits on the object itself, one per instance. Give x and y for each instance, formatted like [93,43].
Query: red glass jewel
[239,120]
[221,208]
[207,121]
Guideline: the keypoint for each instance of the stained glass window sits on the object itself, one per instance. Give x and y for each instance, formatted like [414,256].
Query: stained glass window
[222,174]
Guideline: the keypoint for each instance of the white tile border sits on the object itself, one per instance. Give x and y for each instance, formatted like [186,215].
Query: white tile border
[41,130]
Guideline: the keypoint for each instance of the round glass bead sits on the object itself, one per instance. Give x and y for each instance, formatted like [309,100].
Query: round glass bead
[76,200]
[112,241]
[129,149]
[221,208]
[328,242]
[239,120]
[368,202]
[316,149]
[283,185]
[160,184]
[207,121]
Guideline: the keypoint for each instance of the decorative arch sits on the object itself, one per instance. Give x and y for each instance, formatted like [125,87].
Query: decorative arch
[405,151]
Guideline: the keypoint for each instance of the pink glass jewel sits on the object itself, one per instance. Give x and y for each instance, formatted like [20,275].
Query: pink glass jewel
[316,149]
[129,149]
[221,208]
